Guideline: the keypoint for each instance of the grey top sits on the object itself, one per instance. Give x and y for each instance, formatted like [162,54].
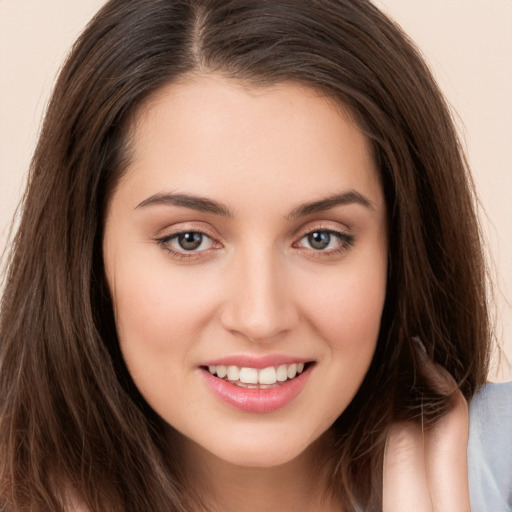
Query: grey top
[490,449]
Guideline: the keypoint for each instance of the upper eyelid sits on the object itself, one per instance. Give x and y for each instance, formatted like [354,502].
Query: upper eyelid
[172,231]
[172,236]
[345,242]
[343,235]
[342,229]
[326,229]
[182,254]
[191,227]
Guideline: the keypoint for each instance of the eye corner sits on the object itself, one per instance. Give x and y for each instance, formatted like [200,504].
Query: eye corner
[189,244]
[329,243]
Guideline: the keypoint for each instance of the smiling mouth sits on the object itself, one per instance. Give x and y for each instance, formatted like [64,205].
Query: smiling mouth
[264,378]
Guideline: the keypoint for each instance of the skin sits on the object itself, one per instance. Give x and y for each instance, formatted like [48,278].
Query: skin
[255,285]
[426,471]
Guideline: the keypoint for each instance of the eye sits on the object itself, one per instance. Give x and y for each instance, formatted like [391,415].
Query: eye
[319,240]
[187,243]
[325,240]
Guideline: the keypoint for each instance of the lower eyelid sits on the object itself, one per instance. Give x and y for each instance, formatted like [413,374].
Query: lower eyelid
[345,243]
[341,235]
[170,245]
[174,237]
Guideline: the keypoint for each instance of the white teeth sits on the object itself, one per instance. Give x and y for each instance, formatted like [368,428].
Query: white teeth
[282,373]
[264,377]
[249,375]
[233,373]
[267,375]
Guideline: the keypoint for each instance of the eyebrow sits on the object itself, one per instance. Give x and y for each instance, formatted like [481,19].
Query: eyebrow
[204,204]
[346,198]
[201,204]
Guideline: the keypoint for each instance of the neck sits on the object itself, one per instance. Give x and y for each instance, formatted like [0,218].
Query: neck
[299,485]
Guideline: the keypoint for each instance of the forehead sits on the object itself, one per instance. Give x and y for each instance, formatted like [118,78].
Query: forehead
[207,131]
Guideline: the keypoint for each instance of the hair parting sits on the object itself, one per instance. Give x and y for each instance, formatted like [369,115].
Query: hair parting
[73,427]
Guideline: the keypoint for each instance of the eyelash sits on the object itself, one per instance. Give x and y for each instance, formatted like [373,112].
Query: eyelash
[184,255]
[345,242]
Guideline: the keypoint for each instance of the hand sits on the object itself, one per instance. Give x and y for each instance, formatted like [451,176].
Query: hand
[425,470]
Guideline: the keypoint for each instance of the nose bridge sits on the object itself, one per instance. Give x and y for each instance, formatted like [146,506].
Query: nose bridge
[259,306]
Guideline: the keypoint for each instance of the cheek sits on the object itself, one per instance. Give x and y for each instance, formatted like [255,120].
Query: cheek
[160,319]
[347,306]
[352,313]
[159,310]
[344,310]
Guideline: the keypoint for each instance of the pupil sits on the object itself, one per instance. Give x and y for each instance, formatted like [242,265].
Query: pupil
[190,241]
[319,239]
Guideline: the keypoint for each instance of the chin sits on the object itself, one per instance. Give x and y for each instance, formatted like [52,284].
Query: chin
[265,451]
[261,457]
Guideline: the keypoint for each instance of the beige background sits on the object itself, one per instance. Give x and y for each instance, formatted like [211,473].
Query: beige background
[467,42]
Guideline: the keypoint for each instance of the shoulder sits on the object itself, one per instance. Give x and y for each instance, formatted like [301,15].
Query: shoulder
[490,448]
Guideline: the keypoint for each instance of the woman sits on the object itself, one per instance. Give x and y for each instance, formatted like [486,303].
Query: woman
[248,273]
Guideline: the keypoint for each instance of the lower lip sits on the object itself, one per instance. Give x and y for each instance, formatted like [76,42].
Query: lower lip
[257,400]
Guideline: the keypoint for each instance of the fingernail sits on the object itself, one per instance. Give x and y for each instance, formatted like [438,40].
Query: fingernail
[421,350]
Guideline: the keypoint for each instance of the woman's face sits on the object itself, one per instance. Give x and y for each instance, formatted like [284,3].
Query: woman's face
[247,237]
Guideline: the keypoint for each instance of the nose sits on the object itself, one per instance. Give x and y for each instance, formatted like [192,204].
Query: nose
[260,305]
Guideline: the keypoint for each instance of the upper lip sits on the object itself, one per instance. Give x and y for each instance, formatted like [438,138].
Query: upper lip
[259,362]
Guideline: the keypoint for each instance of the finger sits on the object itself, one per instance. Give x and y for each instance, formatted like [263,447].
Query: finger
[405,486]
[446,459]
[445,445]
[438,378]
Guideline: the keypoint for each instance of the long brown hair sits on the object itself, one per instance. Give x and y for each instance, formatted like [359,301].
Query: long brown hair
[72,424]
